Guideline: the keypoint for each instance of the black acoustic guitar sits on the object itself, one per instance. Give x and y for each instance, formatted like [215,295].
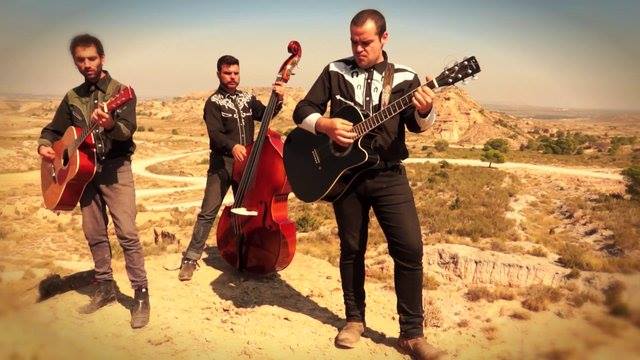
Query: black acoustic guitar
[318,168]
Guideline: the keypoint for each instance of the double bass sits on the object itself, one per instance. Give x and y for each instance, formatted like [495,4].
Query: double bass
[255,234]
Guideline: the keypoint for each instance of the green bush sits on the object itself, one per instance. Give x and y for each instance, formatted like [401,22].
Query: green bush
[632,177]
[492,156]
[497,144]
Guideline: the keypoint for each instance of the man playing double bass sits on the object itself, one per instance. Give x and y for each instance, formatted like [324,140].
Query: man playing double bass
[229,115]
[358,81]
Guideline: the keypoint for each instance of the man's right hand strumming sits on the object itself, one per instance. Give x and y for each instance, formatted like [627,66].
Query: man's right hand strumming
[46,152]
[239,152]
[339,130]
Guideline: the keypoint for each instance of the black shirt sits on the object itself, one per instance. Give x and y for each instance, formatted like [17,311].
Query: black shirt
[229,119]
[343,82]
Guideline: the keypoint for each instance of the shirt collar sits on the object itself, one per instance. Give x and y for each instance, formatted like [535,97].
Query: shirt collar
[102,83]
[381,66]
[223,91]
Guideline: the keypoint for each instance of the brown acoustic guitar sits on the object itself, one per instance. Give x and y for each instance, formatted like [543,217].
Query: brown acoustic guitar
[63,180]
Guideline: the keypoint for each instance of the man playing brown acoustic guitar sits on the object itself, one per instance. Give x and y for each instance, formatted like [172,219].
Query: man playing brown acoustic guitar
[112,186]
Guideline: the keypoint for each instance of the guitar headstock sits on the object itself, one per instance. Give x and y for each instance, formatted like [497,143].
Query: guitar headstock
[460,71]
[286,70]
[120,99]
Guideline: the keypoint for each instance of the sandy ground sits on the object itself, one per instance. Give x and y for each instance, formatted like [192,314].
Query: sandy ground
[295,314]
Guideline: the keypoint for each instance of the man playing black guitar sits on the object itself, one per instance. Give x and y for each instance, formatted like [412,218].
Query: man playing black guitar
[359,81]
[112,186]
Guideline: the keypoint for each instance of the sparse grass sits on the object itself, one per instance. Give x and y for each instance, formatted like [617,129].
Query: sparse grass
[465,201]
[321,245]
[622,217]
[538,297]
[534,157]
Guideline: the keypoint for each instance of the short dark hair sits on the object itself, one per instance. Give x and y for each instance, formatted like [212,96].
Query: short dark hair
[86,40]
[227,60]
[370,14]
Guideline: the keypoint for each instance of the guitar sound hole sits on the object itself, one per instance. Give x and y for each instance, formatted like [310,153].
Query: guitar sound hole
[339,150]
[65,157]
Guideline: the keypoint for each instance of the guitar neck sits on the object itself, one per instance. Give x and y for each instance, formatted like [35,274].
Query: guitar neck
[388,112]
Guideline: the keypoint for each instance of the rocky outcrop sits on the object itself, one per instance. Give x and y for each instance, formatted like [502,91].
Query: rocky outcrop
[453,262]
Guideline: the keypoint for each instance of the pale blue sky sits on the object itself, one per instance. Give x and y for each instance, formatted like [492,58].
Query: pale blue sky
[549,53]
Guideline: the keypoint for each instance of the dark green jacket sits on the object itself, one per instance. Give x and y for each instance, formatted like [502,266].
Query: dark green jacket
[76,109]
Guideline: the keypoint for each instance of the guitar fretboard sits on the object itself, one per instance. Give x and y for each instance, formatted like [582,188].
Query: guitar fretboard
[387,113]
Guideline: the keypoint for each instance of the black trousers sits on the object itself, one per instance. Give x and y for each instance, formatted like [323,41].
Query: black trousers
[218,182]
[388,193]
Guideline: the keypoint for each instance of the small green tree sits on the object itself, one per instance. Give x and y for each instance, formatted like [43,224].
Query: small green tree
[492,156]
[632,177]
[497,144]
[441,145]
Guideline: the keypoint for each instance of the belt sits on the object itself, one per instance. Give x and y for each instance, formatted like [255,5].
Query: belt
[385,165]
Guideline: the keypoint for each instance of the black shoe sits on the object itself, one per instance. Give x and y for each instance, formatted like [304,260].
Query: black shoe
[141,308]
[187,267]
[105,294]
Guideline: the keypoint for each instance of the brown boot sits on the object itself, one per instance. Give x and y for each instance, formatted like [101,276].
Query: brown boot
[419,349]
[349,335]
[187,268]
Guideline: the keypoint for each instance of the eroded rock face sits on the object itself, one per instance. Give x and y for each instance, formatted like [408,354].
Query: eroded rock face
[451,263]
[454,262]
[463,120]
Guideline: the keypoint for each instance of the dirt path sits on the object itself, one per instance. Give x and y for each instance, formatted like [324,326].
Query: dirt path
[600,173]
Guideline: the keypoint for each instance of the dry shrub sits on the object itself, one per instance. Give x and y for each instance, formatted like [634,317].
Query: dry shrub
[606,325]
[538,297]
[463,323]
[429,282]
[573,274]
[577,299]
[490,332]
[480,292]
[558,354]
[613,299]
[538,251]
[520,315]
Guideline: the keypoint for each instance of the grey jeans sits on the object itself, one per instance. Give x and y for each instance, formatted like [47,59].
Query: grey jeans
[112,188]
[218,183]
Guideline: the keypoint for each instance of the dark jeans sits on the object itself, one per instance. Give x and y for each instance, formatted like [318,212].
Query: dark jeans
[218,182]
[112,188]
[387,191]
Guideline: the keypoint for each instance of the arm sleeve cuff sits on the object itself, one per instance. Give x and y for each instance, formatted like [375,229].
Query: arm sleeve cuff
[309,123]
[425,122]
[44,142]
